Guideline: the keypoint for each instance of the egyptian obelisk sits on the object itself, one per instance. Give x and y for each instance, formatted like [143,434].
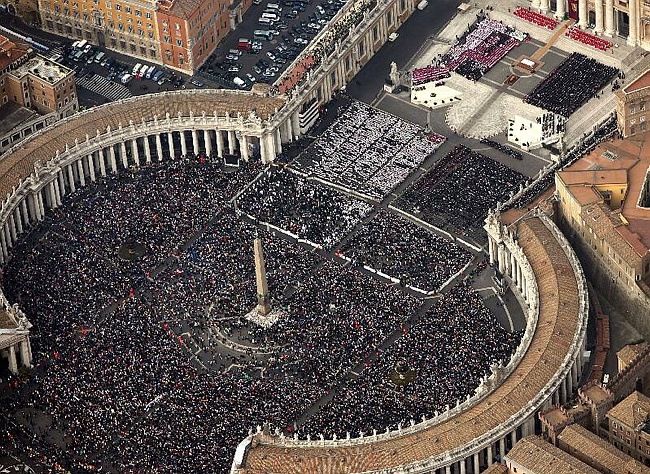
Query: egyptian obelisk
[263,298]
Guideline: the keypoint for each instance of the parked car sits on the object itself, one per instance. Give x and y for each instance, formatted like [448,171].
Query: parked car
[196,82]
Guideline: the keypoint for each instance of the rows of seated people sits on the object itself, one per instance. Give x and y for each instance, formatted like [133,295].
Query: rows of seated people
[578,79]
[589,39]
[483,45]
[536,18]
[502,148]
[459,190]
[367,150]
[429,74]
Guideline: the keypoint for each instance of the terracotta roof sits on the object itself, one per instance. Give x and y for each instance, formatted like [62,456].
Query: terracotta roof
[20,164]
[604,224]
[639,83]
[496,469]
[10,52]
[630,351]
[632,410]
[599,453]
[596,393]
[609,163]
[558,322]
[539,457]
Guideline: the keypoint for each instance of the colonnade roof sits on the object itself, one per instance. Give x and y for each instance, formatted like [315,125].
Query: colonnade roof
[19,164]
[559,319]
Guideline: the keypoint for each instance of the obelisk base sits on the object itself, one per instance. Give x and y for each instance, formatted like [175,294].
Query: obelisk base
[264,320]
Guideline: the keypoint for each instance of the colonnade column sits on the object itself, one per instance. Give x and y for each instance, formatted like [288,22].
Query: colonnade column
[490,455]
[12,227]
[13,366]
[183,144]
[447,469]
[278,140]
[102,163]
[543,7]
[513,437]
[113,159]
[491,247]
[463,467]
[582,14]
[159,147]
[136,152]
[476,464]
[71,179]
[243,144]
[634,19]
[560,10]
[3,243]
[125,160]
[609,17]
[91,165]
[219,143]
[57,189]
[25,354]
[208,142]
[147,149]
[195,141]
[80,169]
[231,142]
[25,212]
[600,21]
[18,220]
[263,152]
[170,144]
[502,447]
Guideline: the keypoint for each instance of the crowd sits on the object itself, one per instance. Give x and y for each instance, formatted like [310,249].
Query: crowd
[132,366]
[537,18]
[450,347]
[403,250]
[502,148]
[480,48]
[303,208]
[575,81]
[459,190]
[367,150]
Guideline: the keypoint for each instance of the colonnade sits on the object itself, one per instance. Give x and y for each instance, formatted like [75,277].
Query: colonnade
[21,346]
[605,22]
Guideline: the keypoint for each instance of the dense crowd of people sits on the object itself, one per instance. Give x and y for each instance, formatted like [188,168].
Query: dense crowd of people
[450,348]
[122,369]
[578,79]
[403,250]
[505,149]
[310,211]
[367,150]
[459,190]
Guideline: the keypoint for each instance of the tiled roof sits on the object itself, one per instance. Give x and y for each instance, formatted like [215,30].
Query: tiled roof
[630,351]
[558,322]
[600,454]
[639,83]
[632,410]
[496,469]
[20,164]
[6,322]
[537,456]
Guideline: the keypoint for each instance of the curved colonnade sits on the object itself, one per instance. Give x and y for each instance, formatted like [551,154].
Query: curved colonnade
[546,277]
[37,174]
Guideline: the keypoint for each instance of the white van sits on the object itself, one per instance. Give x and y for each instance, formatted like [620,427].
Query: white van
[239,82]
[423,4]
[274,6]
[264,22]
[150,72]
[270,16]
[136,68]
[126,78]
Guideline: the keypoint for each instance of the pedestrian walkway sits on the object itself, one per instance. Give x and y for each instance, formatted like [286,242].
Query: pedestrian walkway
[102,86]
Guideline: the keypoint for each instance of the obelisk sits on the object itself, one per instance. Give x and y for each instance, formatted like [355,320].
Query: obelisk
[263,298]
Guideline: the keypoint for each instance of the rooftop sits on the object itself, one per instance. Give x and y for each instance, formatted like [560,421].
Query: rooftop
[601,454]
[6,321]
[43,68]
[12,115]
[536,455]
[558,322]
[632,411]
[10,52]
[630,352]
[639,83]
[623,162]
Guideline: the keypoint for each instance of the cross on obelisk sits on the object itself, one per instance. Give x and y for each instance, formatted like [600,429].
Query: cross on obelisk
[263,298]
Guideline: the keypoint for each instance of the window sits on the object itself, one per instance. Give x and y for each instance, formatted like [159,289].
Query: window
[148,15]
[179,42]
[177,26]
[138,13]
[642,105]
[118,7]
[127,9]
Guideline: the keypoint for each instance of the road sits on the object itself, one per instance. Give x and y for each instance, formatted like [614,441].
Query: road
[413,34]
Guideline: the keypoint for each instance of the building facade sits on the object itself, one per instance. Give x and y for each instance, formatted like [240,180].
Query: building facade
[633,105]
[627,19]
[604,209]
[35,92]
[179,34]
